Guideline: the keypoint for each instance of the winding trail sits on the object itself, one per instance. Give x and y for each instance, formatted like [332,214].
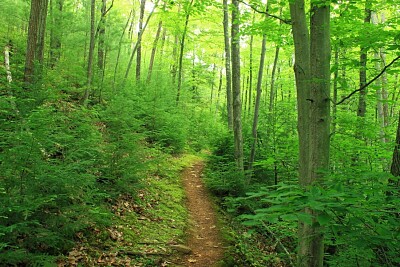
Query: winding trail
[204,238]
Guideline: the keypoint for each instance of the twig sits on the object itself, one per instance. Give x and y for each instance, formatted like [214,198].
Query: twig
[368,83]
[279,242]
[286,21]
[143,254]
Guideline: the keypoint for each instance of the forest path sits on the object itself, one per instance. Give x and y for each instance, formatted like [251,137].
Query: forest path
[204,238]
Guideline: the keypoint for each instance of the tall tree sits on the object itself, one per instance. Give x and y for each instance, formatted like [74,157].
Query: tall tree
[312,70]
[101,37]
[139,40]
[56,10]
[35,41]
[7,50]
[137,43]
[187,8]
[153,51]
[237,103]
[362,105]
[228,75]
[89,70]
[257,104]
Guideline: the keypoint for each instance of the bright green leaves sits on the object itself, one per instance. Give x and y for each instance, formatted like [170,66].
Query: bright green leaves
[356,214]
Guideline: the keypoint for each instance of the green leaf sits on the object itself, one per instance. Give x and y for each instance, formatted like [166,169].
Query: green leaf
[289,217]
[305,217]
[323,219]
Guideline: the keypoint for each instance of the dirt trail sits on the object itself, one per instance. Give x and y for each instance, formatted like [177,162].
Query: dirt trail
[203,236]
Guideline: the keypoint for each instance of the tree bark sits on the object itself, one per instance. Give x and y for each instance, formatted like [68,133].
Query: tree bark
[311,250]
[35,41]
[312,71]
[362,105]
[56,32]
[7,50]
[257,104]
[237,104]
[228,66]
[102,35]
[272,86]
[395,166]
[139,41]
[89,72]
[302,77]
[250,87]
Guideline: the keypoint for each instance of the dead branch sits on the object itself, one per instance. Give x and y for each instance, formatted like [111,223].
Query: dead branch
[368,83]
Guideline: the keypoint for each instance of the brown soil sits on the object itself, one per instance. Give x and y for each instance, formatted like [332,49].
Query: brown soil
[203,239]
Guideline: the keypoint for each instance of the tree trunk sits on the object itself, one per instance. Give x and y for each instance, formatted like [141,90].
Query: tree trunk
[153,51]
[56,32]
[362,105]
[302,76]
[311,251]
[237,104]
[395,166]
[312,71]
[228,66]
[139,40]
[136,45]
[257,104]
[182,47]
[35,41]
[7,50]
[250,87]
[272,88]
[102,35]
[335,87]
[89,73]
[119,48]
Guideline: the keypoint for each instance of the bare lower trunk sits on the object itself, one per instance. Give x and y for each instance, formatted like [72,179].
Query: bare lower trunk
[228,66]
[257,104]
[7,62]
[139,41]
[237,103]
[89,73]
[153,51]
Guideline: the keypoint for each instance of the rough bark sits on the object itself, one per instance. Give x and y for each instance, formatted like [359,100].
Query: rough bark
[153,51]
[237,104]
[312,71]
[35,41]
[139,41]
[228,66]
[302,77]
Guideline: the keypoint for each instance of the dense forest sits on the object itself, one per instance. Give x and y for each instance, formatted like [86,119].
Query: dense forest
[292,105]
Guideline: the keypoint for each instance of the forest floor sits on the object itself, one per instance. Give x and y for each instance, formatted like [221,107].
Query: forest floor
[170,221]
[203,236]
